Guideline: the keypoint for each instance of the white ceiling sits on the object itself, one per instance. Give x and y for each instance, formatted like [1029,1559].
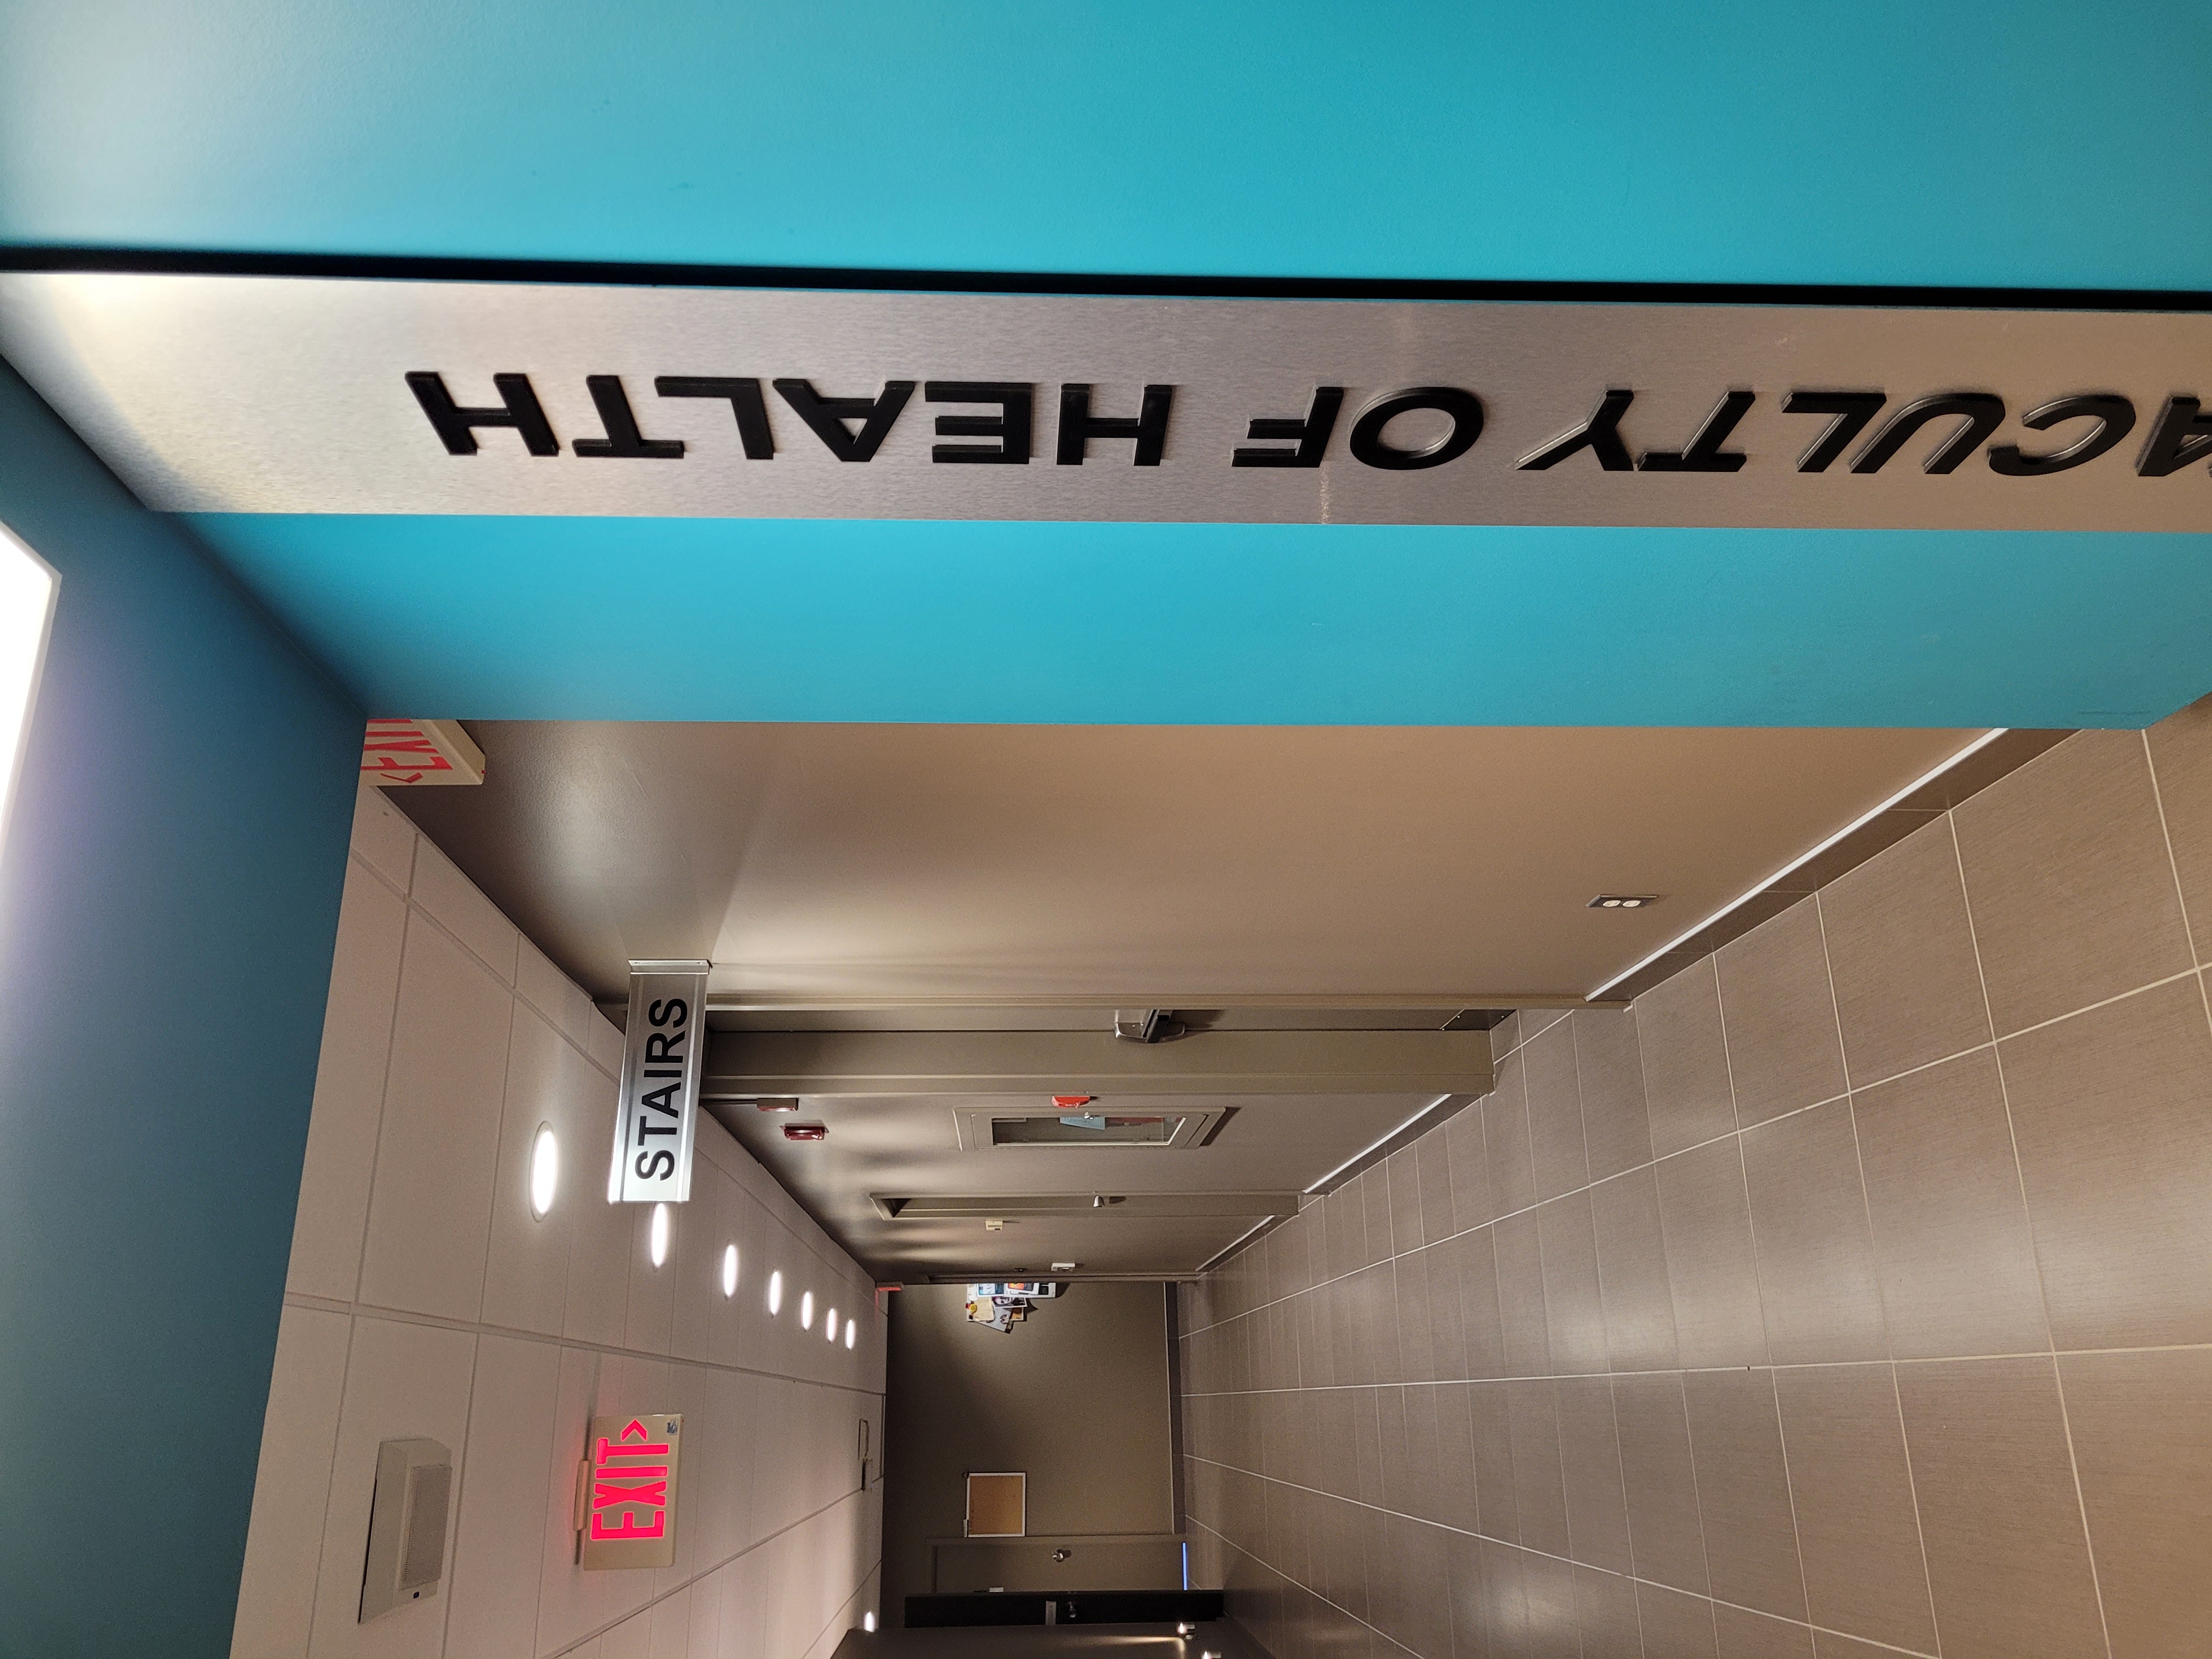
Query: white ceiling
[1165,866]
[986,878]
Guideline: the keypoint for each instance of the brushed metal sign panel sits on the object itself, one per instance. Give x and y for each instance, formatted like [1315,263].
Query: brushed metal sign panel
[278,394]
[656,1122]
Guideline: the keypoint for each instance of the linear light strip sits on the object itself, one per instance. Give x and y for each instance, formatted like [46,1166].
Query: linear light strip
[1235,1245]
[1383,1141]
[1805,858]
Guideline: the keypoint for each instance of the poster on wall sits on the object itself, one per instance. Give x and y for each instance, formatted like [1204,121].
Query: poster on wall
[626,1490]
[1000,1307]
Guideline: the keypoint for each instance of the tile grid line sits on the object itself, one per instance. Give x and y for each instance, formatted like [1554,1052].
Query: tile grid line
[369,1197]
[1758,1290]
[1697,1370]
[2087,1008]
[2027,1216]
[438,1321]
[704,1573]
[1866,1207]
[1308,1588]
[412,910]
[1543,1285]
[1508,1543]
[461,1493]
[415,908]
[1995,1044]
[551,1018]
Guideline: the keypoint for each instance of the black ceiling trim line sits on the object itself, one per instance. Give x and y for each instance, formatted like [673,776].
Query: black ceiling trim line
[405,267]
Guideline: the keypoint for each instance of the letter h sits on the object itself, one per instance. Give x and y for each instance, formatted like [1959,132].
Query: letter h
[455,424]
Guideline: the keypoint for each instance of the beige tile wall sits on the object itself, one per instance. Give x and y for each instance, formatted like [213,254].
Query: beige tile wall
[424,1299]
[1849,1295]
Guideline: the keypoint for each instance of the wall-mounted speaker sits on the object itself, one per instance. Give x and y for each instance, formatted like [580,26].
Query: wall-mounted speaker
[406,1526]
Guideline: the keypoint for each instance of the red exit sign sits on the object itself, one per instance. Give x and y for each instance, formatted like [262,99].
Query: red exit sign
[401,751]
[626,1492]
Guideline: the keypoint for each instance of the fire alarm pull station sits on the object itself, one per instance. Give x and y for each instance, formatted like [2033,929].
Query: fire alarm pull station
[625,1514]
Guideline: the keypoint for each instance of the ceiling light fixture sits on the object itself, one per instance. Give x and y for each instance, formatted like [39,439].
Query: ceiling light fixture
[851,1332]
[778,1103]
[1384,1141]
[27,586]
[729,1272]
[806,1311]
[831,1326]
[1622,901]
[775,1292]
[544,1171]
[1803,858]
[868,1622]
[805,1132]
[657,1244]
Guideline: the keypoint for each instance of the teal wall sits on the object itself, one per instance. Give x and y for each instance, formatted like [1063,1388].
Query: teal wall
[547,618]
[2044,142]
[168,899]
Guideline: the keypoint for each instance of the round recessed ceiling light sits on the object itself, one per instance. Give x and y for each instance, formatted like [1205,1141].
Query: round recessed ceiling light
[806,1311]
[775,1292]
[868,1621]
[829,1329]
[544,1171]
[730,1271]
[657,1241]
[851,1332]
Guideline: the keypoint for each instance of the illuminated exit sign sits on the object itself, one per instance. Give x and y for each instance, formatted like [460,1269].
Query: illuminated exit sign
[626,1492]
[403,751]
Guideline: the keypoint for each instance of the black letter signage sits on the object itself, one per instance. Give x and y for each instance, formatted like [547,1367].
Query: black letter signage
[1310,435]
[828,416]
[624,441]
[1464,408]
[2115,418]
[520,411]
[1011,426]
[1853,411]
[1982,413]
[1704,454]
[1600,435]
[2183,436]
[745,403]
[1078,425]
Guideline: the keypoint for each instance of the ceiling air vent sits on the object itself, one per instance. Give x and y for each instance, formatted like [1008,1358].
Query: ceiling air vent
[1179,1207]
[1095,1127]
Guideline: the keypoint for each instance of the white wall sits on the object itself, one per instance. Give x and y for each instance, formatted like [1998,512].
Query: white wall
[424,1299]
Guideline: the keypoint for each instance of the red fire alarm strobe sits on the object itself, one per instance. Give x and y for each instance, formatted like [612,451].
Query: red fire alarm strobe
[1069,1103]
[805,1132]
